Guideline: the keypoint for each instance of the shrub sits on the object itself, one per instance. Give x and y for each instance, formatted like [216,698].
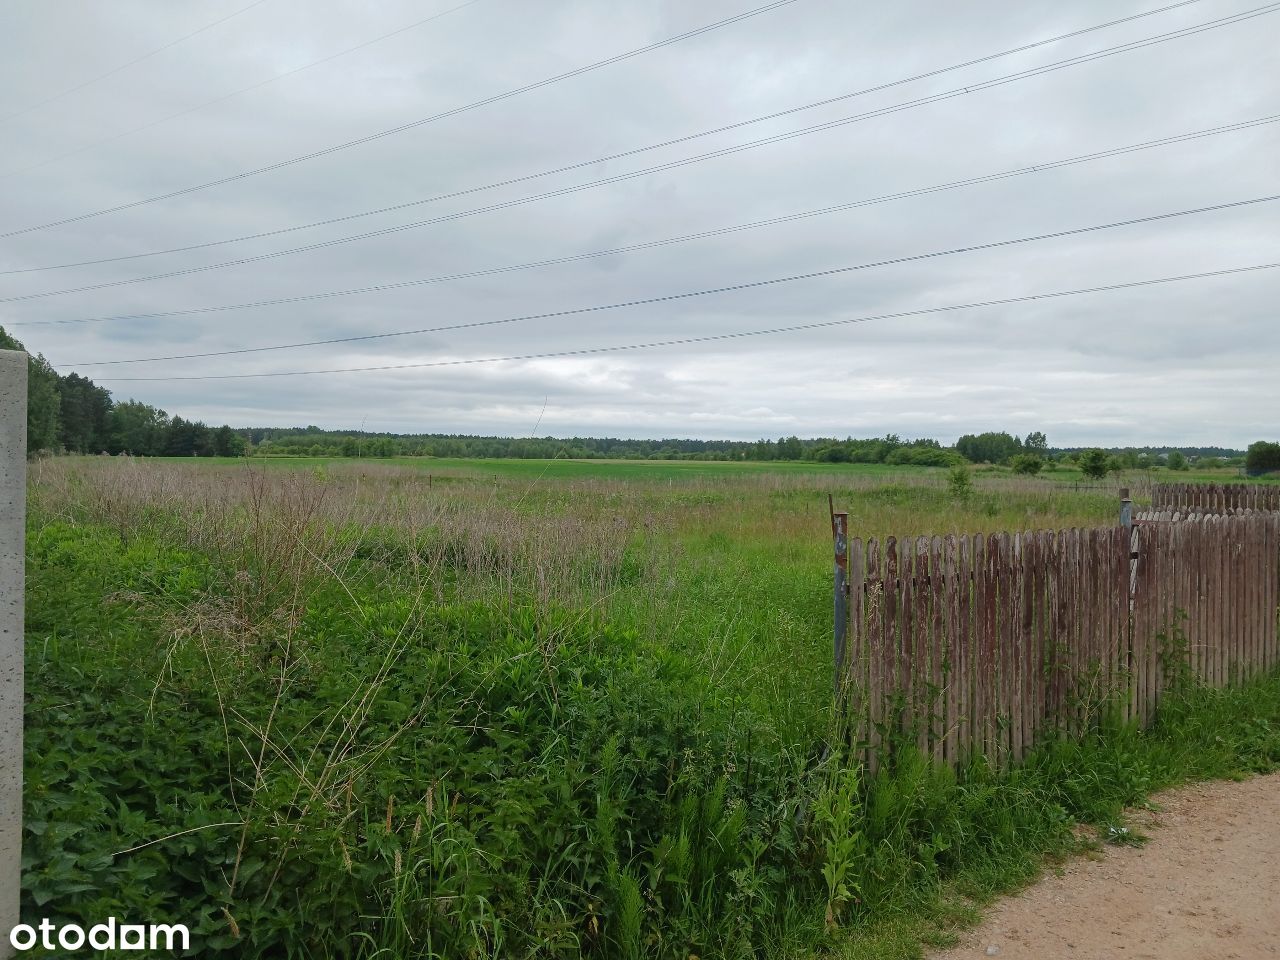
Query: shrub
[1026,463]
[988,447]
[1176,460]
[1262,457]
[959,483]
[924,457]
[1094,464]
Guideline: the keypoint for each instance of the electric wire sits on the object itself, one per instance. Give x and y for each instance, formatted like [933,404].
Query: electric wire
[686,295]
[708,338]
[422,121]
[651,244]
[596,160]
[1075,61]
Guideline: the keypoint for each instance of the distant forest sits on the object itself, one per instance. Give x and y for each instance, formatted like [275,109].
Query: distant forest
[71,414]
[995,447]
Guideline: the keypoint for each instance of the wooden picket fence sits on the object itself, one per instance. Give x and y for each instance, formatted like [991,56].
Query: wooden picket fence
[1215,497]
[986,644]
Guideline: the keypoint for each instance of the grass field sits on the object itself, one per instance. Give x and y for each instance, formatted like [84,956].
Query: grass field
[718,469]
[607,469]
[432,708]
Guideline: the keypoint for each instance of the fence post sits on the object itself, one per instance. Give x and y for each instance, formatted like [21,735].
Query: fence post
[840,533]
[13,501]
[1126,521]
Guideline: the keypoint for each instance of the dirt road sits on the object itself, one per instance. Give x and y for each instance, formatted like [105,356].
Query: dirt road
[1207,885]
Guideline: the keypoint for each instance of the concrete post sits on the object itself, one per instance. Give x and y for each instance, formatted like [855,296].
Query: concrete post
[13,508]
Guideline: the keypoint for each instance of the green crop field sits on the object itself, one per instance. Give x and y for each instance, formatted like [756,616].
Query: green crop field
[674,470]
[502,708]
[621,470]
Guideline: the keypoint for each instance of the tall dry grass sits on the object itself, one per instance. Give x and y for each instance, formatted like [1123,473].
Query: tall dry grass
[273,532]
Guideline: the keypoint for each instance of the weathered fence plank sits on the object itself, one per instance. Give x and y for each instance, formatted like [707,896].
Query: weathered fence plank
[1091,668]
[1027,554]
[1267,600]
[854,679]
[951,665]
[1054,666]
[1227,601]
[938,648]
[964,615]
[878,678]
[904,552]
[1120,617]
[1201,622]
[1072,639]
[1002,648]
[992,646]
[921,594]
[1236,627]
[893,634]
[840,597]
[1246,647]
[1273,629]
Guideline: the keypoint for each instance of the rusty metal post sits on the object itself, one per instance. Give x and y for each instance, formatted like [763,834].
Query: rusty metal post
[840,533]
[13,505]
[1126,521]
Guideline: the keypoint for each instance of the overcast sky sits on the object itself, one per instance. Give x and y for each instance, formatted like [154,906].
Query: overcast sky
[1192,362]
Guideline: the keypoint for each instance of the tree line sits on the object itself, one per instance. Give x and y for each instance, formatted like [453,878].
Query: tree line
[1027,454]
[72,414]
[315,442]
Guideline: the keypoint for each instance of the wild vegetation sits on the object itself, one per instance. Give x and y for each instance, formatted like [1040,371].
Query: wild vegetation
[363,710]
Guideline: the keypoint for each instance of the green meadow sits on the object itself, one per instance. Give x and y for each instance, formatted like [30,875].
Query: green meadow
[716,469]
[443,708]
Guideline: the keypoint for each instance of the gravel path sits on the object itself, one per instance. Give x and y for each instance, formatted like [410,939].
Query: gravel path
[1207,885]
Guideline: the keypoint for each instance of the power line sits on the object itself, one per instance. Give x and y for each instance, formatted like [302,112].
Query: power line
[708,338]
[667,298]
[235,93]
[475,104]
[700,235]
[725,151]
[598,160]
[126,66]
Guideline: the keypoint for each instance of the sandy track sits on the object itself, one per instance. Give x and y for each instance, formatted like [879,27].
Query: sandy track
[1206,886]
